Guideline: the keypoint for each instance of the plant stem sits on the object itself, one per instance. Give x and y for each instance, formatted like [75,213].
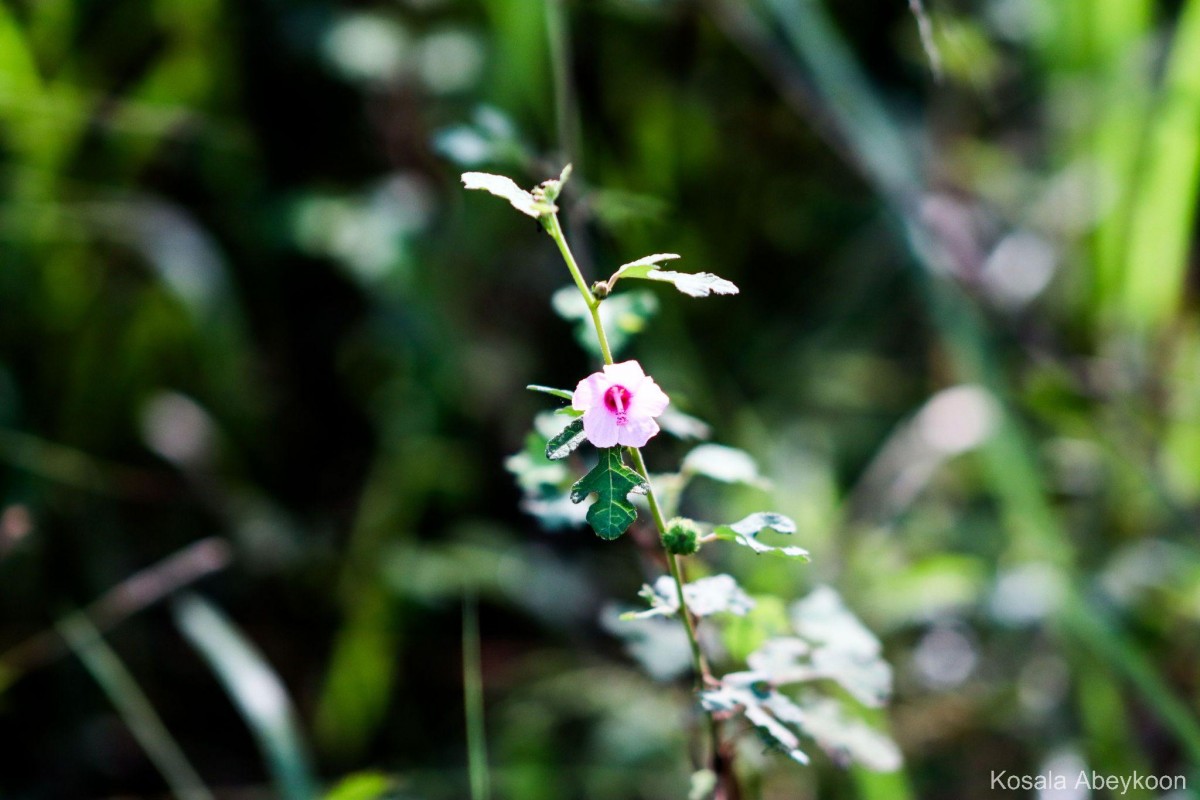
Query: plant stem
[699,664]
[550,222]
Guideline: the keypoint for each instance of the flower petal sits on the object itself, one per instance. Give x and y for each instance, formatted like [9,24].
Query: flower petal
[649,400]
[628,374]
[590,392]
[636,432]
[600,426]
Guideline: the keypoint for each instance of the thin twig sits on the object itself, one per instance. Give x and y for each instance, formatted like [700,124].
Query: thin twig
[135,593]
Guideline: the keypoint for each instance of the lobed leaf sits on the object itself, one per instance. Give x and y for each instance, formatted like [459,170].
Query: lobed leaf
[745,532]
[844,649]
[612,482]
[752,696]
[846,739]
[705,597]
[698,284]
[778,718]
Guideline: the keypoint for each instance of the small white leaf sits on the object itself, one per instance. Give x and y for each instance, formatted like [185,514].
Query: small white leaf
[844,649]
[708,596]
[846,739]
[642,267]
[705,597]
[698,284]
[745,532]
[504,187]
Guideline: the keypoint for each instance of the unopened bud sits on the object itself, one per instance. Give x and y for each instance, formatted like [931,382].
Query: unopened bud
[682,537]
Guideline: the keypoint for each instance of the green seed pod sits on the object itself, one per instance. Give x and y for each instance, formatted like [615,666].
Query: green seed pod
[682,537]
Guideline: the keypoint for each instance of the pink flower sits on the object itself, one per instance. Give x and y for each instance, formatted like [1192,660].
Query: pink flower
[619,405]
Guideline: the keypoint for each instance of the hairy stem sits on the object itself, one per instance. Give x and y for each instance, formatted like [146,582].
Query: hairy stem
[699,664]
[556,233]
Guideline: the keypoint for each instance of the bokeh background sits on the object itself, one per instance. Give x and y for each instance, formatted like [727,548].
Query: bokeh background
[262,361]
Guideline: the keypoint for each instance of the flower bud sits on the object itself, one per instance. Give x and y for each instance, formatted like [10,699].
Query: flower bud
[682,537]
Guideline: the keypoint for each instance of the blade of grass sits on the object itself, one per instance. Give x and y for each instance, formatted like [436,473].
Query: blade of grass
[1106,43]
[477,758]
[135,709]
[255,689]
[1163,205]
[1100,635]
[880,143]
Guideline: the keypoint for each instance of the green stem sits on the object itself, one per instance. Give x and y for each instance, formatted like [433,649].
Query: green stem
[473,697]
[699,665]
[698,662]
[550,222]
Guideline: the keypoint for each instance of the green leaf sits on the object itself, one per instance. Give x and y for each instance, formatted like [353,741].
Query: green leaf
[612,482]
[565,443]
[641,267]
[544,483]
[563,393]
[699,284]
[362,786]
[535,473]
[745,532]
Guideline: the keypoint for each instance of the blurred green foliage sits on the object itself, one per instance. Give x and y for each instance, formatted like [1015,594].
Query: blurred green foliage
[242,295]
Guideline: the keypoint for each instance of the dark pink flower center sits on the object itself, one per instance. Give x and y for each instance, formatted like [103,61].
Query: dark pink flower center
[616,400]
